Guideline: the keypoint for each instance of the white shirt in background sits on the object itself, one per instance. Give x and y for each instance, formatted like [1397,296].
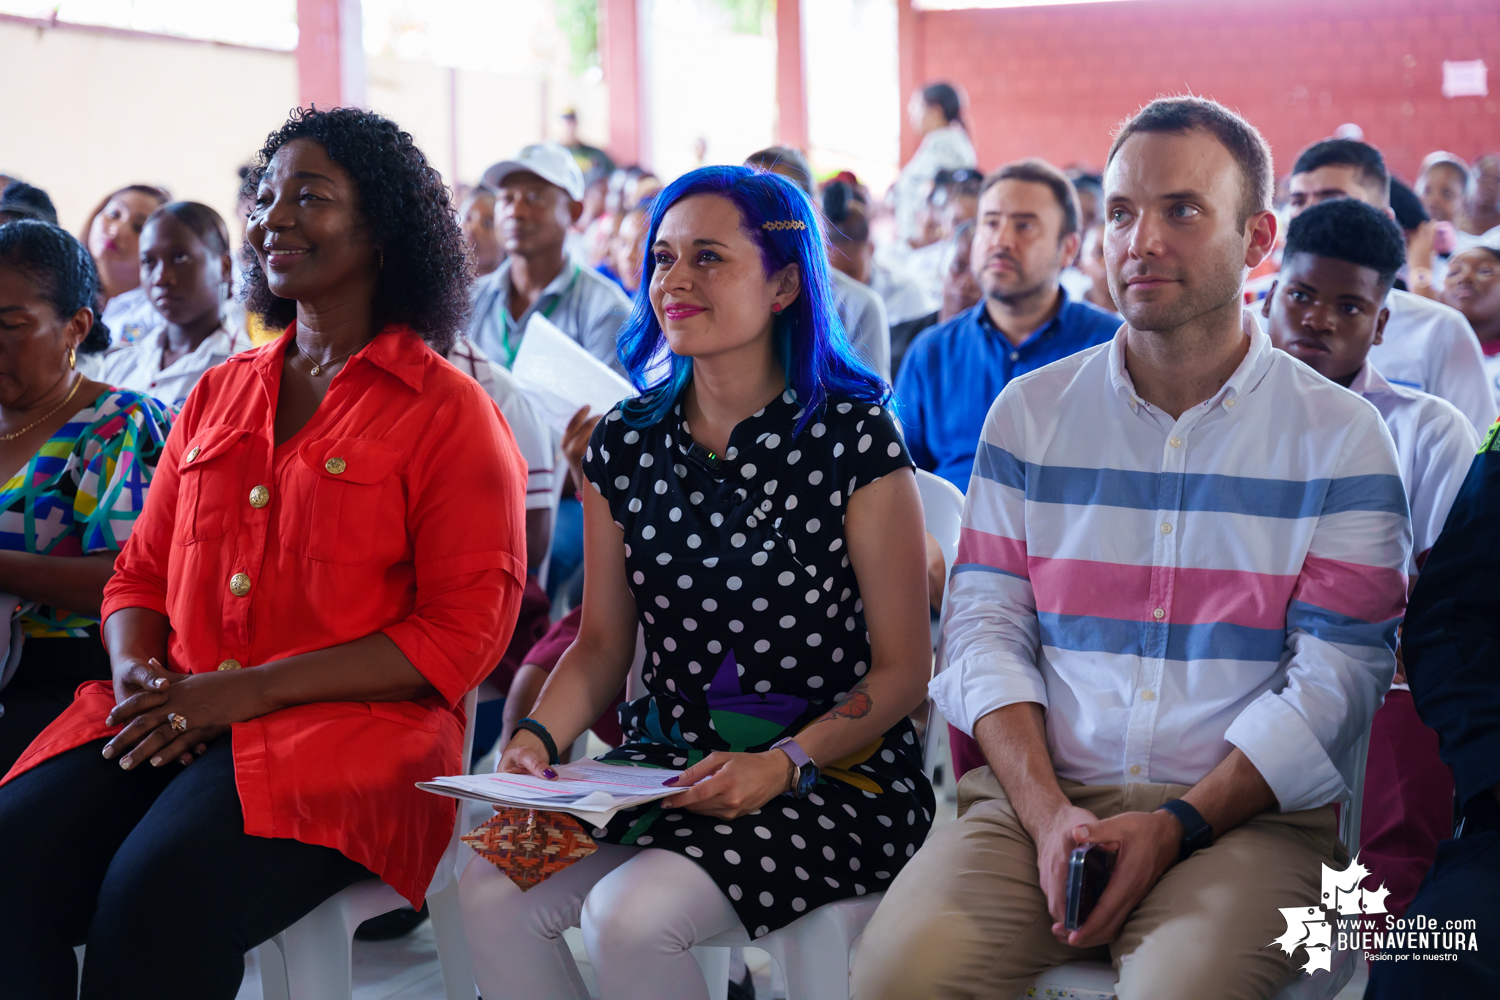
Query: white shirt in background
[946,148]
[1431,347]
[139,367]
[863,315]
[1492,372]
[532,436]
[130,316]
[1434,445]
[904,298]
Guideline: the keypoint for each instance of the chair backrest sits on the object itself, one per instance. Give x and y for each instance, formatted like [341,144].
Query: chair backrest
[1349,812]
[943,511]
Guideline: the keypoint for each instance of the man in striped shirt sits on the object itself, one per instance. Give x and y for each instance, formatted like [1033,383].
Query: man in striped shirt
[1172,616]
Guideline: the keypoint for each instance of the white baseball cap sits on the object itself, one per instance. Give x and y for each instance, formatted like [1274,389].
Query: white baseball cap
[550,161]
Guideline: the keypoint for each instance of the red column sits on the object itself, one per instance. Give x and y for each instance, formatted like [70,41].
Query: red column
[911,69]
[330,53]
[620,51]
[791,89]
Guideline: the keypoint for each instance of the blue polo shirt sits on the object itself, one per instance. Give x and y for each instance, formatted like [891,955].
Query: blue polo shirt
[953,372]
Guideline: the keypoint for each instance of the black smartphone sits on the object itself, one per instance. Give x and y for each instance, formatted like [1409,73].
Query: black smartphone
[1088,873]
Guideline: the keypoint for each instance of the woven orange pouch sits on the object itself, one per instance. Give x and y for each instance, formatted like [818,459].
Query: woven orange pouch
[530,845]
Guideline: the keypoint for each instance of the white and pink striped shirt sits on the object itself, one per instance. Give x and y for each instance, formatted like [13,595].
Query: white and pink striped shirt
[1168,590]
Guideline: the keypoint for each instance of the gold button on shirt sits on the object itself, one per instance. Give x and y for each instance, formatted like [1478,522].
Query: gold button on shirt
[230,665]
[335,465]
[239,585]
[193,454]
[259,497]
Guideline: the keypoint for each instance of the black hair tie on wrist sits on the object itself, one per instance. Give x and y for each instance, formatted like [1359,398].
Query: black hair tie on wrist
[533,726]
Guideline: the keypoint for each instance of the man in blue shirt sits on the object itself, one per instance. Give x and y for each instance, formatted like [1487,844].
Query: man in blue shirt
[1027,233]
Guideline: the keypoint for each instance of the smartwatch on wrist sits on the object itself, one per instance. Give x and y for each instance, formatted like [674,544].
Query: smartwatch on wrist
[1196,833]
[807,771]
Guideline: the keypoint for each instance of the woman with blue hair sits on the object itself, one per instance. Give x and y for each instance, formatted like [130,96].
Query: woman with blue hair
[755,512]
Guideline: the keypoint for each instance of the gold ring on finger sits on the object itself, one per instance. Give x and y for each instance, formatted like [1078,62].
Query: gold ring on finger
[178,722]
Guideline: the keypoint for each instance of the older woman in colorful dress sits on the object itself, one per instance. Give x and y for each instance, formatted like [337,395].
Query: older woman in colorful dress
[76,457]
[755,511]
[331,557]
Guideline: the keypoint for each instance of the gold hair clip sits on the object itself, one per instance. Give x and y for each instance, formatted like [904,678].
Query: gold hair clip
[786,224]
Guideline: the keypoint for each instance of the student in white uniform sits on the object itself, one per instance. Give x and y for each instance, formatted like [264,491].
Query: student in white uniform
[112,236]
[532,436]
[1427,345]
[1325,310]
[1472,286]
[185,274]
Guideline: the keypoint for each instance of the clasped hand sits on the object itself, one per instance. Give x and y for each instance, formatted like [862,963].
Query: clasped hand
[723,785]
[1145,845]
[147,694]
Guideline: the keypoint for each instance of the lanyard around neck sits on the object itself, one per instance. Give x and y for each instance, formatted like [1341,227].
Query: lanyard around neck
[507,325]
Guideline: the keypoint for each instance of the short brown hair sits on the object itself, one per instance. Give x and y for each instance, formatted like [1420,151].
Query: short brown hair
[1245,143]
[1039,171]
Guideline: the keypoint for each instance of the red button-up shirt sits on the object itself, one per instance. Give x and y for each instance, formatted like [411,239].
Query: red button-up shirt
[398,508]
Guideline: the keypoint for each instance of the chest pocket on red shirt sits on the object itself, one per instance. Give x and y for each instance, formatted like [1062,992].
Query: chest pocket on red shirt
[210,476]
[358,510]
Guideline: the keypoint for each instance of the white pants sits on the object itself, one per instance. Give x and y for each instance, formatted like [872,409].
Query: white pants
[641,909]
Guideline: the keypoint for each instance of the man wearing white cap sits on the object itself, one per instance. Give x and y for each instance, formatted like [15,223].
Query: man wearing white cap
[540,196]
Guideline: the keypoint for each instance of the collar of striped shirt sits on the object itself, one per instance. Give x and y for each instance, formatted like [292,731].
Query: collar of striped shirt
[1170,589]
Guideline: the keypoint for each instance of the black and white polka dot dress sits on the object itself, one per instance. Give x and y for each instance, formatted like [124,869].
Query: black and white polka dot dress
[754,628]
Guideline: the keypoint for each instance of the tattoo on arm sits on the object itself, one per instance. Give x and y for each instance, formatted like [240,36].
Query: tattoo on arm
[855,705]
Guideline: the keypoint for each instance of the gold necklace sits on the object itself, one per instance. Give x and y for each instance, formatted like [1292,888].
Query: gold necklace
[317,369]
[44,418]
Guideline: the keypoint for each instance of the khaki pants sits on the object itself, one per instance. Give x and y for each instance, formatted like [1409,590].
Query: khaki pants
[967,918]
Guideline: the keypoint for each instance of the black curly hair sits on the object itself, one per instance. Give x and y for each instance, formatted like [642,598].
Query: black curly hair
[426,271]
[1349,230]
[63,270]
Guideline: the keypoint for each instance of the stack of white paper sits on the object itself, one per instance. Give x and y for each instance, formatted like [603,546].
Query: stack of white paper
[559,377]
[591,790]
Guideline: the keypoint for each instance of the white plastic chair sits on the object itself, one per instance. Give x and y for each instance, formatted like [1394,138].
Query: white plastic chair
[813,951]
[943,511]
[1096,980]
[313,958]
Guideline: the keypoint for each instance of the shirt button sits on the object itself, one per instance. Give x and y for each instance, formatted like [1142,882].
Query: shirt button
[1158,614]
[335,465]
[1135,769]
[1148,696]
[239,585]
[194,453]
[1166,529]
[1015,355]
[259,497]
[1175,442]
[1228,402]
[230,665]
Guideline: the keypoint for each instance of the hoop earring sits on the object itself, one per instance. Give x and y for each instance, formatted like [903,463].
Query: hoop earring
[72,358]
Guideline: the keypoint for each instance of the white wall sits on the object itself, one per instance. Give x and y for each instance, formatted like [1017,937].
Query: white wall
[88,112]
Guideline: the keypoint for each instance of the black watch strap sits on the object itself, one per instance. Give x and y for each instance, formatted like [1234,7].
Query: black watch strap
[1196,833]
[540,731]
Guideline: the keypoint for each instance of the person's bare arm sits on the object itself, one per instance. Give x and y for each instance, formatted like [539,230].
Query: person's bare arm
[74,583]
[538,536]
[1014,741]
[593,668]
[885,539]
[525,688]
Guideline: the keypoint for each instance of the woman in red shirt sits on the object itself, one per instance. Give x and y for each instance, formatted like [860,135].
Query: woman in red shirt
[331,556]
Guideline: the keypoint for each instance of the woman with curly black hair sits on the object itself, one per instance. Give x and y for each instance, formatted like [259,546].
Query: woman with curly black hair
[332,557]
